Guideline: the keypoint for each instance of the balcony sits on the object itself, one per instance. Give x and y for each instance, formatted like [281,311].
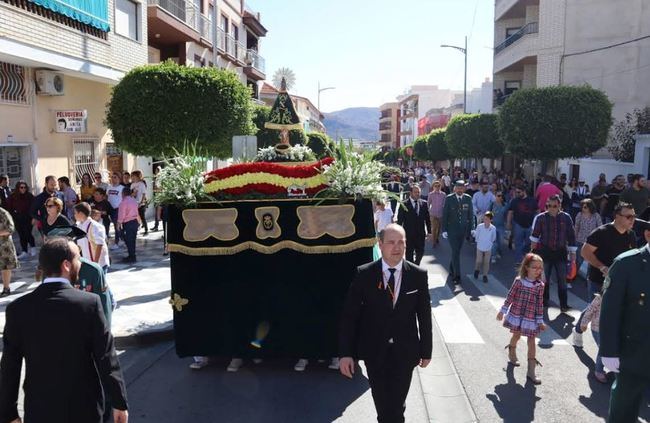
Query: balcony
[230,47]
[385,126]
[255,66]
[385,116]
[172,22]
[253,22]
[518,49]
[510,9]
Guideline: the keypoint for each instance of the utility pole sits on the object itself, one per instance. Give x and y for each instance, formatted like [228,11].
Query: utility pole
[320,90]
[464,51]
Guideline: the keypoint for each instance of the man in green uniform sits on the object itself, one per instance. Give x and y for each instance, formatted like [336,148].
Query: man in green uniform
[91,279]
[625,330]
[457,223]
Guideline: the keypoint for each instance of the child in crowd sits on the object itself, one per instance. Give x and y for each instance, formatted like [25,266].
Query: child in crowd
[383,216]
[139,192]
[524,311]
[101,204]
[485,235]
[592,315]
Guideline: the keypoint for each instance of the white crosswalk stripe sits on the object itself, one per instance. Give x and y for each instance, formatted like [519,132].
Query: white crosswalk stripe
[455,325]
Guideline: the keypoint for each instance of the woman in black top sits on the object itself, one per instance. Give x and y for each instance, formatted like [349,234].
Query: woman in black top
[54,218]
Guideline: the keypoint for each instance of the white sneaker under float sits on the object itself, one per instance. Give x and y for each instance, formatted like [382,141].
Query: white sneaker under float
[234,365]
[577,339]
[199,362]
[301,365]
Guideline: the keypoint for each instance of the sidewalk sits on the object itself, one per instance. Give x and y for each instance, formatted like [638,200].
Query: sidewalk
[141,290]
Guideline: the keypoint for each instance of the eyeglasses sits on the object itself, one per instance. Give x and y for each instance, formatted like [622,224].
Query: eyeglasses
[628,216]
[49,206]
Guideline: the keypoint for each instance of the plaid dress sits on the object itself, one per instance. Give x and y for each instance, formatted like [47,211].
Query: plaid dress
[524,307]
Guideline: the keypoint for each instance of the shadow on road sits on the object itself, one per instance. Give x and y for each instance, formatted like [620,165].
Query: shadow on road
[514,402]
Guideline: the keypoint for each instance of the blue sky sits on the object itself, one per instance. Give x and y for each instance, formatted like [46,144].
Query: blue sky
[372,50]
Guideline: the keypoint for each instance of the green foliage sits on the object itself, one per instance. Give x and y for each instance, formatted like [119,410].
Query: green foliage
[320,144]
[623,141]
[555,122]
[392,156]
[474,136]
[420,148]
[270,137]
[181,177]
[154,108]
[437,146]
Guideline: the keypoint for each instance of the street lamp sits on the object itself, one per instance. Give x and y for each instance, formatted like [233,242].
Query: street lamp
[319,91]
[464,51]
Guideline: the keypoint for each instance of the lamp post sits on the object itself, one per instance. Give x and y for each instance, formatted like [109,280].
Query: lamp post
[319,91]
[464,51]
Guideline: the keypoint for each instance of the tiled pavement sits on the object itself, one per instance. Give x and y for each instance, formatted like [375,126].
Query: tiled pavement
[141,290]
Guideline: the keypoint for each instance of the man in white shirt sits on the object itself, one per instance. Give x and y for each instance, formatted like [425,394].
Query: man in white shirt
[114,196]
[93,246]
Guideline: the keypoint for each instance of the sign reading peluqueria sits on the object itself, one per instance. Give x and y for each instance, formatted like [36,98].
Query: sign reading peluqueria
[70,121]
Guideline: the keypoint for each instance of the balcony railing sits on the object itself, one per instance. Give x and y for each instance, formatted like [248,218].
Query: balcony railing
[221,40]
[206,28]
[255,60]
[530,28]
[188,13]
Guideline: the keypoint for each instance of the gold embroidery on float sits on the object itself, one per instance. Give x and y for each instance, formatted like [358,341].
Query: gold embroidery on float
[316,221]
[201,224]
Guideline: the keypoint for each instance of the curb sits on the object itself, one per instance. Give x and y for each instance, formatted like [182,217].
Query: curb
[145,338]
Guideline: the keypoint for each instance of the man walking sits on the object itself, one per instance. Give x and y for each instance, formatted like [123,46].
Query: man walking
[386,322]
[114,197]
[482,201]
[625,332]
[436,203]
[637,194]
[457,223]
[414,220]
[521,212]
[553,238]
[65,360]
[38,210]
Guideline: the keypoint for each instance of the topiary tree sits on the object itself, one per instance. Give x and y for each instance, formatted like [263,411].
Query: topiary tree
[474,136]
[437,146]
[555,122]
[421,149]
[154,109]
[269,137]
[623,138]
[320,144]
[392,155]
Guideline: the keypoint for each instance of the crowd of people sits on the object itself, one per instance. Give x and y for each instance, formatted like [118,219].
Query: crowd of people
[93,207]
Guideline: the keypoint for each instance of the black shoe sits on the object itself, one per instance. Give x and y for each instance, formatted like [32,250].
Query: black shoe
[565,308]
[128,259]
[485,279]
[476,274]
[457,280]
[154,229]
[5,292]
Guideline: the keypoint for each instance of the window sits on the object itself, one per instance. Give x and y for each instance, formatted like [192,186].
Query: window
[511,86]
[13,84]
[85,159]
[511,31]
[126,19]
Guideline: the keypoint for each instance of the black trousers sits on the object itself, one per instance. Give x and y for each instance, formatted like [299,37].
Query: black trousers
[390,380]
[414,251]
[625,399]
[24,229]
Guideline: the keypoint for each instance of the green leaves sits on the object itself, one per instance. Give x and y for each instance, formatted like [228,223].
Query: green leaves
[270,137]
[155,108]
[555,122]
[437,146]
[474,136]
[320,144]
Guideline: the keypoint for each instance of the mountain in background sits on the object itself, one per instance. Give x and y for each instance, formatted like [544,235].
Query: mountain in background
[360,123]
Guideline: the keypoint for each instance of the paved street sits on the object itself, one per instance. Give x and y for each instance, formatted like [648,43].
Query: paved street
[163,389]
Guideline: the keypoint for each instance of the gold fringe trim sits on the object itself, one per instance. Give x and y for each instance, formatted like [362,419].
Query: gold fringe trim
[280,126]
[272,249]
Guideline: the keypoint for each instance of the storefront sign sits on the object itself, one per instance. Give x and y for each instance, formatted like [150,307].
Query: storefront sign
[71,121]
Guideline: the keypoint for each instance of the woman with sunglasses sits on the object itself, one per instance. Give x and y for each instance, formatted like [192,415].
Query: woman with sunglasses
[87,188]
[19,203]
[54,218]
[586,221]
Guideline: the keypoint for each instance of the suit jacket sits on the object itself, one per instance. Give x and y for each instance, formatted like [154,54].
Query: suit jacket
[625,312]
[458,217]
[369,319]
[414,224]
[62,335]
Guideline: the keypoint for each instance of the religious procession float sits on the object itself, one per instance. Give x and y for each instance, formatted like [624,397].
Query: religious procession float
[263,252]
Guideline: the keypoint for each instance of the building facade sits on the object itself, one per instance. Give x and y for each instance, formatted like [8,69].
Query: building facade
[389,125]
[600,43]
[57,67]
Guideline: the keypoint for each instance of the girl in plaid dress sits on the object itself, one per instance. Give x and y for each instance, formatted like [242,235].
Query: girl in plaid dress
[524,311]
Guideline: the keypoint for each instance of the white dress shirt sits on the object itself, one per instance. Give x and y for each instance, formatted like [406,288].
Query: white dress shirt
[398,277]
[55,280]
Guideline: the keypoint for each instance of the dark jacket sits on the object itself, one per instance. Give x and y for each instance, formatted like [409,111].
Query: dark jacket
[369,319]
[20,204]
[62,335]
[414,224]
[38,210]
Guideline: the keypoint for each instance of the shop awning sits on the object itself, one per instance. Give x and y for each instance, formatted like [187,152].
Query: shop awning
[89,12]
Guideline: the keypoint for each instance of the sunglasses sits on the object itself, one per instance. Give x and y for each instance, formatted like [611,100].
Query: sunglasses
[98,177]
[49,206]
[585,207]
[628,216]
[551,206]
[499,195]
[22,187]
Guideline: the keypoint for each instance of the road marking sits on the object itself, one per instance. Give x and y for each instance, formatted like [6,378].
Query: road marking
[495,292]
[455,325]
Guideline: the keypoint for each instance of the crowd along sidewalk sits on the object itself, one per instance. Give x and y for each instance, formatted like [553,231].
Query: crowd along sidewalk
[141,290]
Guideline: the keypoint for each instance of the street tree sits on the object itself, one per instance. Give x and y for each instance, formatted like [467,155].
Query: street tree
[155,109]
[623,138]
[437,146]
[270,137]
[474,136]
[420,148]
[555,122]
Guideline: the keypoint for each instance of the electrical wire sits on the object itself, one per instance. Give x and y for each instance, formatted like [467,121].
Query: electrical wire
[608,74]
[608,47]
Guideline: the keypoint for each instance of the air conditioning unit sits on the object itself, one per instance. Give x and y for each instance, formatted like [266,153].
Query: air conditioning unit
[49,83]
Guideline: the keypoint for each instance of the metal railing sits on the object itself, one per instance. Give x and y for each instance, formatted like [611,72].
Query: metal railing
[16,84]
[206,28]
[188,13]
[221,40]
[255,60]
[530,28]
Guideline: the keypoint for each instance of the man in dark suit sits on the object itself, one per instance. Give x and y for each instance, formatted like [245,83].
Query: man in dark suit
[386,322]
[395,187]
[62,335]
[417,224]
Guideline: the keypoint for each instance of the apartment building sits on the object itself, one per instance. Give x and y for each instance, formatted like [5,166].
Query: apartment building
[601,43]
[58,62]
[310,117]
[389,125]
[222,33]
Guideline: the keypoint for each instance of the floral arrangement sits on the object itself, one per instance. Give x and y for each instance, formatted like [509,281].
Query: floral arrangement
[297,153]
[180,180]
[266,179]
